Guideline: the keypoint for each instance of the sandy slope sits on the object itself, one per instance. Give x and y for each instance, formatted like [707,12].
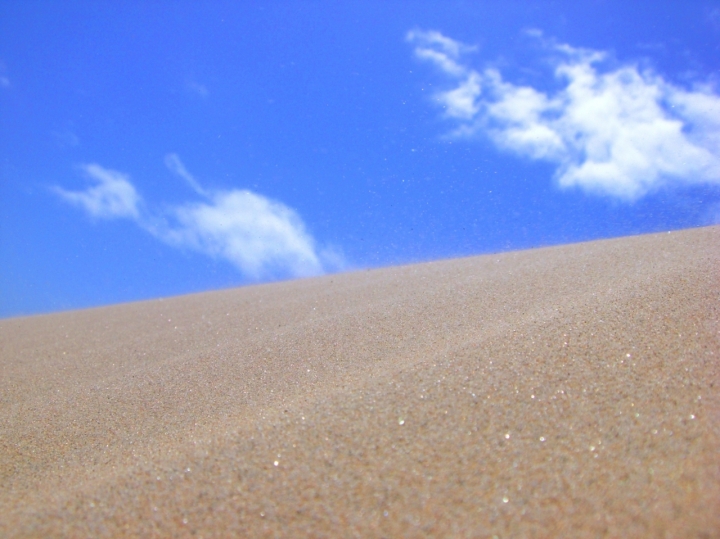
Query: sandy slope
[562,392]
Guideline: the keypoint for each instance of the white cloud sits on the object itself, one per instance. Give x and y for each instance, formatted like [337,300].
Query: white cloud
[462,101]
[442,51]
[172,161]
[261,237]
[112,195]
[622,132]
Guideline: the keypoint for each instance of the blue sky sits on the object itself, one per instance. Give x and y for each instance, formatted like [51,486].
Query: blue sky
[150,149]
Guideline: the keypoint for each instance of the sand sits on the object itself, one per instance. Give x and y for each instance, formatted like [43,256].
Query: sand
[569,391]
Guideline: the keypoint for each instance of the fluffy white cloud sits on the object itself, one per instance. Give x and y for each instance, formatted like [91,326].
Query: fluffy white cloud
[621,132]
[112,195]
[261,237]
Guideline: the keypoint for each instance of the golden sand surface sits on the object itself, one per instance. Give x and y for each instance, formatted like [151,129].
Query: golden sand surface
[570,391]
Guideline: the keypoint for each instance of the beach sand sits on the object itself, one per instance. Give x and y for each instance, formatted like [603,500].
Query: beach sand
[570,391]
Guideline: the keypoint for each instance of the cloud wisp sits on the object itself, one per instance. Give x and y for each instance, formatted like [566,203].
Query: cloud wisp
[4,80]
[197,89]
[262,238]
[173,163]
[111,197]
[621,132]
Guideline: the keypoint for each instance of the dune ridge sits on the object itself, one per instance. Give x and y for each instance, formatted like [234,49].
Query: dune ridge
[568,391]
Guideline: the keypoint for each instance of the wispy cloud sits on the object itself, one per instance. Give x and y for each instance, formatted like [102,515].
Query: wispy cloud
[65,138]
[197,89]
[713,17]
[437,48]
[621,132]
[261,237]
[172,162]
[4,79]
[111,195]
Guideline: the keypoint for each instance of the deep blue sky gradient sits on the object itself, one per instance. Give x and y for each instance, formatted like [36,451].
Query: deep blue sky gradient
[319,105]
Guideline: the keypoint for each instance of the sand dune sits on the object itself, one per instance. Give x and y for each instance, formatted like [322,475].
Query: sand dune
[571,391]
